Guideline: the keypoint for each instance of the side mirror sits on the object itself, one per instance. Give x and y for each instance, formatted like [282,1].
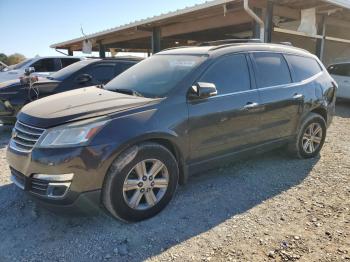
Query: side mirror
[29,70]
[84,78]
[203,90]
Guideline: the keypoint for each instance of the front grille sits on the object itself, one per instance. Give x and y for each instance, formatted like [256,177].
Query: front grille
[24,137]
[39,186]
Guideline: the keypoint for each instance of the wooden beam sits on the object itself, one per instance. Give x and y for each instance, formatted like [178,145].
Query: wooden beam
[126,36]
[235,18]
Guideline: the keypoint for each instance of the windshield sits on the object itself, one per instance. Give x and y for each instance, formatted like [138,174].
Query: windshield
[71,69]
[155,76]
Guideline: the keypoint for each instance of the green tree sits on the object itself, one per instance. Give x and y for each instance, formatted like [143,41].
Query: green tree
[15,59]
[3,58]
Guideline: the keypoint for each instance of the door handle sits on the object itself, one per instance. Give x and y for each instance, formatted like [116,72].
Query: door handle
[250,106]
[298,96]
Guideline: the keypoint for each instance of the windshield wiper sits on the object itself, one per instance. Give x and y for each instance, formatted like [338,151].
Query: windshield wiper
[128,92]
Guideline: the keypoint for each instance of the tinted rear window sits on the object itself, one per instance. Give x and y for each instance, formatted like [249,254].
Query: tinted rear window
[101,73]
[340,69]
[68,61]
[272,69]
[303,67]
[45,65]
[230,74]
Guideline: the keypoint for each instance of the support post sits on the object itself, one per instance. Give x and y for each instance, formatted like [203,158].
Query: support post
[156,40]
[102,50]
[70,52]
[268,22]
[256,25]
[320,43]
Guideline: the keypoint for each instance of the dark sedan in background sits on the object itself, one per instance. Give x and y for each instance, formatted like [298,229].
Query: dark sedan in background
[14,94]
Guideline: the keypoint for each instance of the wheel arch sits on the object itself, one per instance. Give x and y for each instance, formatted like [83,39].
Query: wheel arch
[320,111]
[166,140]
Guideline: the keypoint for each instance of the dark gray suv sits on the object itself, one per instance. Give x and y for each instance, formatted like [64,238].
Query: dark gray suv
[129,144]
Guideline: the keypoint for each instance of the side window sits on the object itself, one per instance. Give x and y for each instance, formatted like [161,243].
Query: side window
[122,66]
[68,61]
[101,73]
[272,69]
[303,67]
[45,65]
[340,69]
[230,74]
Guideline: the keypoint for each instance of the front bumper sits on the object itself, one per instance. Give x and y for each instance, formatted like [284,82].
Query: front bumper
[86,163]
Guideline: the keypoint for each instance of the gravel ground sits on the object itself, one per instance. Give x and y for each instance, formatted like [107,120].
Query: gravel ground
[268,208]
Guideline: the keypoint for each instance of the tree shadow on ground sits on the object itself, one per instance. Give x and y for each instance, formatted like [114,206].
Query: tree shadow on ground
[208,200]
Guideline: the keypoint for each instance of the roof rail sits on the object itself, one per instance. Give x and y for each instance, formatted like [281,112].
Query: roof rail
[229,41]
[286,43]
[176,47]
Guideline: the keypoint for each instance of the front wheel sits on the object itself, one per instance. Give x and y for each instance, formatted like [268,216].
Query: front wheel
[310,138]
[141,182]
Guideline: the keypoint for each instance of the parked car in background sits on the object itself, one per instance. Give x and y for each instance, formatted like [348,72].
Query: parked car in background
[2,66]
[14,94]
[341,73]
[180,111]
[43,66]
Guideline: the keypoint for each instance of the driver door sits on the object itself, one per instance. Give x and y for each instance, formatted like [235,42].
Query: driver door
[229,121]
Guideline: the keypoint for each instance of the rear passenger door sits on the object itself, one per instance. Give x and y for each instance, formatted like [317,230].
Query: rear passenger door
[282,100]
[228,121]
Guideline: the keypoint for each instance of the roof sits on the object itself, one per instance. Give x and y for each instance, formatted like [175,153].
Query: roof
[167,17]
[341,3]
[146,21]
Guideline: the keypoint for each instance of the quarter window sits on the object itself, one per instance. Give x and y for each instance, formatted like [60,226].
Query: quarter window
[230,74]
[272,70]
[303,67]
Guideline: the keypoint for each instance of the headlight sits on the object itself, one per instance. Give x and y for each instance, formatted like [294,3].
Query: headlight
[70,135]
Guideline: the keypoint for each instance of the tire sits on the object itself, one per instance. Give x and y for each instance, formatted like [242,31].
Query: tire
[299,147]
[120,189]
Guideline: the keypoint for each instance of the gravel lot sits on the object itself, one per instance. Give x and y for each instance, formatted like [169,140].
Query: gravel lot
[268,208]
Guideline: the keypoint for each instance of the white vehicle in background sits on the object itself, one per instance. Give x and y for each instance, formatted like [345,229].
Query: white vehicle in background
[341,74]
[43,66]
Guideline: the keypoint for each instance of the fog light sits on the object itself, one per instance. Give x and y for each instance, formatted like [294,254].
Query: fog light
[57,190]
[57,185]
[55,178]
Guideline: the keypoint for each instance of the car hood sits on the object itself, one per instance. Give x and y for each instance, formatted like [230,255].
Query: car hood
[76,105]
[9,83]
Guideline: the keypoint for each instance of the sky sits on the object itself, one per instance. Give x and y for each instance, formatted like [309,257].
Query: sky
[30,27]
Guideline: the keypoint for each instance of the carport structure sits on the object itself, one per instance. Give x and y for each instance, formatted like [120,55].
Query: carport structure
[270,20]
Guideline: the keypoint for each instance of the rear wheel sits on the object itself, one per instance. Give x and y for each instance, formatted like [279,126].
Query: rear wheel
[141,182]
[310,138]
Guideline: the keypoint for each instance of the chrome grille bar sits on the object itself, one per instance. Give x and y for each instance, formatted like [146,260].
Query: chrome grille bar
[24,137]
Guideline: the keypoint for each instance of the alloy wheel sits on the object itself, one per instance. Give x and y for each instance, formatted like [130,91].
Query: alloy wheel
[312,138]
[146,184]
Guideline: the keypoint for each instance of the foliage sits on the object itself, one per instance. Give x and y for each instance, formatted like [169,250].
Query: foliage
[12,59]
